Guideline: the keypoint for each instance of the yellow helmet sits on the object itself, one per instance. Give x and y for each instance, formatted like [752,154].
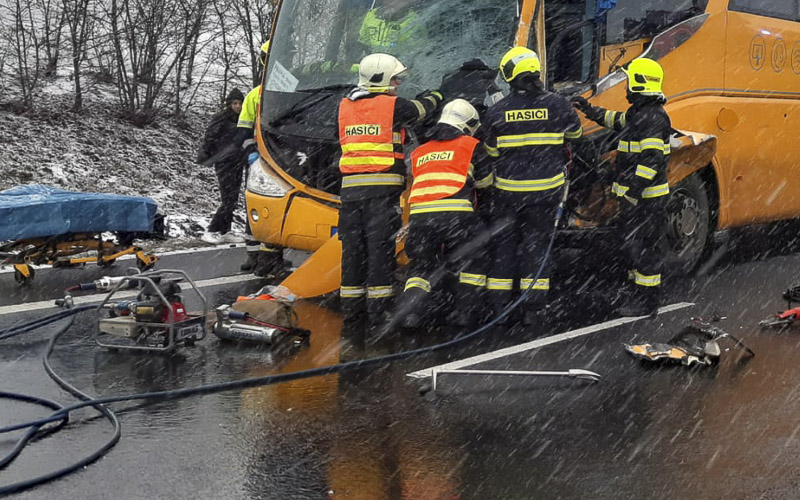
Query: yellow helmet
[376,71]
[262,57]
[517,61]
[462,115]
[644,76]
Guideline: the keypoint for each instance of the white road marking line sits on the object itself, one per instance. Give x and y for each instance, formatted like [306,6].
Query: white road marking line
[8,268]
[98,297]
[553,339]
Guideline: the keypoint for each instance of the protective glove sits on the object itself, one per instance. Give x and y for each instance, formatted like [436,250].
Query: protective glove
[252,158]
[582,105]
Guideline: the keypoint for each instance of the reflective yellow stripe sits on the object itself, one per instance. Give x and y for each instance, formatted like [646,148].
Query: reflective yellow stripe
[446,190]
[397,138]
[530,185]
[347,292]
[485,182]
[379,292]
[472,279]
[656,191]
[573,134]
[436,176]
[618,189]
[426,207]
[420,109]
[646,172]
[358,180]
[645,280]
[608,118]
[367,160]
[420,283]
[541,284]
[491,151]
[245,124]
[499,284]
[639,146]
[538,139]
[367,146]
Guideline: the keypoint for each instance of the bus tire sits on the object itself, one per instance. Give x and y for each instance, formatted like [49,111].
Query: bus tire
[688,225]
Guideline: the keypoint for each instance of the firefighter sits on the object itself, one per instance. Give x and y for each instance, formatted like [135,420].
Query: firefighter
[443,225]
[393,27]
[371,133]
[526,134]
[641,185]
[262,258]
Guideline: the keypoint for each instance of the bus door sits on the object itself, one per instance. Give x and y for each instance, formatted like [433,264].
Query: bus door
[759,121]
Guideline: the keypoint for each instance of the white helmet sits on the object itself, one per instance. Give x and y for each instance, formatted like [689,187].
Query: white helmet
[376,71]
[462,115]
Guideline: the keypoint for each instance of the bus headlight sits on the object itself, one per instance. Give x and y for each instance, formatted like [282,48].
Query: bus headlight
[261,179]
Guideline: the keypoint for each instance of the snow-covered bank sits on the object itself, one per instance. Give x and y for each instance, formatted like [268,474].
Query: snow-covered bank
[98,151]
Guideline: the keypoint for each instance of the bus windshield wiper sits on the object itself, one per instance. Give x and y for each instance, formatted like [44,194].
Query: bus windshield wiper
[313,97]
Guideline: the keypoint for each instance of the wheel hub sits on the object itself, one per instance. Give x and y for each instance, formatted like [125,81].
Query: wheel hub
[685,221]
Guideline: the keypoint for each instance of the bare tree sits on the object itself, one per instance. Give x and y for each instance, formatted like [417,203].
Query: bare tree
[78,16]
[50,27]
[26,48]
[255,19]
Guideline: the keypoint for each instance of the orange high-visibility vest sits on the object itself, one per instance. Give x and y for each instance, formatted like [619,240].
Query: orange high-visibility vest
[365,133]
[440,168]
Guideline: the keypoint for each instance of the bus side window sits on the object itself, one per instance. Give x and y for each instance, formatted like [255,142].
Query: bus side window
[781,9]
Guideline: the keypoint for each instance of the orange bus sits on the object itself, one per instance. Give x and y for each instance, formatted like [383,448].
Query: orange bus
[732,79]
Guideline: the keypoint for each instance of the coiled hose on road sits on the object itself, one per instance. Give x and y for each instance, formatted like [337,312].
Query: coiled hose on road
[36,428]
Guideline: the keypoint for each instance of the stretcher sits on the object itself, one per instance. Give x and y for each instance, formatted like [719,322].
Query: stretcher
[41,225]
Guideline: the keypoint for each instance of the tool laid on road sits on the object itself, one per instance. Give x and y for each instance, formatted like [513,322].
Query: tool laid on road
[240,325]
[789,315]
[572,373]
[48,226]
[695,344]
[156,319]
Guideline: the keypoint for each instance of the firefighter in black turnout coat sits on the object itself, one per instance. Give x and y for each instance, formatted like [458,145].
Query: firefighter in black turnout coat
[526,134]
[444,230]
[641,185]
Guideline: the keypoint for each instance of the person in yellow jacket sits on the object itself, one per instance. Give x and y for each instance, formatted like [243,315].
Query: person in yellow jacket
[444,230]
[263,259]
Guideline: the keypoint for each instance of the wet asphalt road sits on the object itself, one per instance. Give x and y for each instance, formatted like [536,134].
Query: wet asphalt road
[728,431]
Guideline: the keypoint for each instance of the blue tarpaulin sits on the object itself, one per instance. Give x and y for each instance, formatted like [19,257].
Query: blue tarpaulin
[36,211]
[603,6]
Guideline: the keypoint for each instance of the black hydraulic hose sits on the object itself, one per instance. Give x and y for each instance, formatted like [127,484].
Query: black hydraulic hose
[33,325]
[98,403]
[34,430]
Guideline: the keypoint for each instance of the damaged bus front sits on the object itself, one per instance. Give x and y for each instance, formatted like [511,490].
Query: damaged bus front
[725,82]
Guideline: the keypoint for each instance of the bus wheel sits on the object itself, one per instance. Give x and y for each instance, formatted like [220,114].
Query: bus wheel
[688,225]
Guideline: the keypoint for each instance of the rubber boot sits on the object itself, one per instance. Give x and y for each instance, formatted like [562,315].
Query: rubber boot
[252,256]
[270,263]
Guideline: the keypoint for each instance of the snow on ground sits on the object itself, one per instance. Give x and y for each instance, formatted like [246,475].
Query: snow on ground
[100,152]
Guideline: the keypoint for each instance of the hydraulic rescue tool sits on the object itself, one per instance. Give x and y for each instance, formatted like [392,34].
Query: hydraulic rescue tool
[156,318]
[789,316]
[696,344]
[239,325]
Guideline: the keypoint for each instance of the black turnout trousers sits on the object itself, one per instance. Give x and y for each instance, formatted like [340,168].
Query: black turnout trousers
[367,229]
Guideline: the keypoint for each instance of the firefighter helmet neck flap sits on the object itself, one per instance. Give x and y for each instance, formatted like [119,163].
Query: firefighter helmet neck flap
[380,72]
[460,114]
